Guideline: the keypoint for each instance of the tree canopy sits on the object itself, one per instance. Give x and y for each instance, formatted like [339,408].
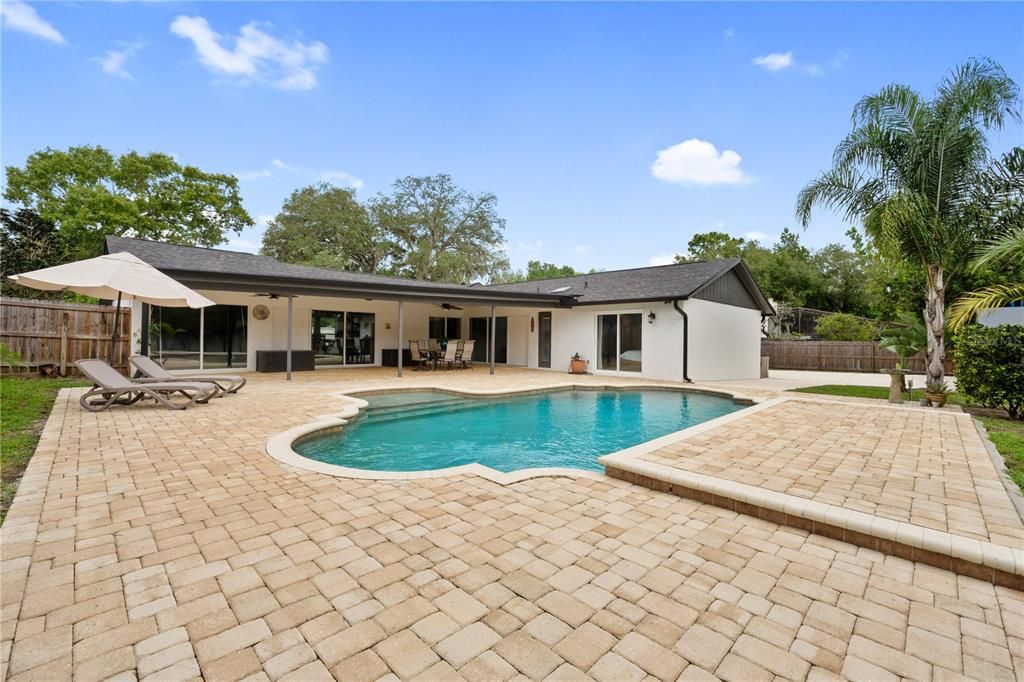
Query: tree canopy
[426,228]
[326,226]
[441,232]
[87,193]
[27,243]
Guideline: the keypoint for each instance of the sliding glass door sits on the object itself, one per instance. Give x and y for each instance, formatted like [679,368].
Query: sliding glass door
[209,338]
[340,338]
[619,342]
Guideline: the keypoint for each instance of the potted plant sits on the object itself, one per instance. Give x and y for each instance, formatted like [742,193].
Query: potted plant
[936,392]
[577,365]
[906,342]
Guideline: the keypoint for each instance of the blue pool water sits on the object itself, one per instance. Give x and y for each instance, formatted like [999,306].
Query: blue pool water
[422,430]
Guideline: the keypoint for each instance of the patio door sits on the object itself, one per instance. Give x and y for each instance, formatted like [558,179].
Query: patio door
[339,338]
[544,340]
[619,342]
[478,332]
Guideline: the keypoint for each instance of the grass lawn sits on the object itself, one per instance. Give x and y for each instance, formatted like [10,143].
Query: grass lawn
[24,406]
[1007,435]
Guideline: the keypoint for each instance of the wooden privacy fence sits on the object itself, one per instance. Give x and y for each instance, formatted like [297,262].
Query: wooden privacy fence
[837,356]
[56,333]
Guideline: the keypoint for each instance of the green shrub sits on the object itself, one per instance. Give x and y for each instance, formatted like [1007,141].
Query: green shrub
[990,366]
[844,327]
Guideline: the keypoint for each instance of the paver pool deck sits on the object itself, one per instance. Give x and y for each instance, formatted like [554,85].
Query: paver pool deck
[146,543]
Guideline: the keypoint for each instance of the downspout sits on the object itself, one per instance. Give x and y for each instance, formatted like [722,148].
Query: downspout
[686,340]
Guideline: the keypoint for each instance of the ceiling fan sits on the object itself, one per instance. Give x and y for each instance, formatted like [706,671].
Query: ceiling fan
[272,297]
[450,306]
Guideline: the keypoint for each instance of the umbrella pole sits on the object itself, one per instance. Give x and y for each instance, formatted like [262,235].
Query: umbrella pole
[117,327]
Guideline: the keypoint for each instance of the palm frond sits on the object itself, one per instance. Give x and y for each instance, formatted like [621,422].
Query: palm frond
[968,306]
[845,189]
[979,91]
[1000,249]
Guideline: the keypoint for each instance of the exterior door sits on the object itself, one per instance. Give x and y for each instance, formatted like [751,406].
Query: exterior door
[544,339]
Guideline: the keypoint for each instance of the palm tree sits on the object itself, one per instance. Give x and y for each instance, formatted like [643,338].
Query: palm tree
[910,170]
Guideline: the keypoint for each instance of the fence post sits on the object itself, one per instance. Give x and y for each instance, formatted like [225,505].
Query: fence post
[64,344]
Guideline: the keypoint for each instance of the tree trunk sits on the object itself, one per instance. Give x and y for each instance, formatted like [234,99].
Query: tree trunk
[935,323]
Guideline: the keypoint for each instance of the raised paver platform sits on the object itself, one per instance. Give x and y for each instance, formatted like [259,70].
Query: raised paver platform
[916,482]
[146,543]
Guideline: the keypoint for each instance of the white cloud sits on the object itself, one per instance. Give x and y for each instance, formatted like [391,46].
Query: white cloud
[840,59]
[21,16]
[813,70]
[338,177]
[662,259]
[255,56]
[113,61]
[728,34]
[582,248]
[776,61]
[529,247]
[253,175]
[698,162]
[278,163]
[757,236]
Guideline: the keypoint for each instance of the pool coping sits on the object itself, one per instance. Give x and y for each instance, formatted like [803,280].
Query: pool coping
[280,445]
[980,559]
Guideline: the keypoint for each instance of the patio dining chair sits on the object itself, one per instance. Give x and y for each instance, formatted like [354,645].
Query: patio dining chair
[467,354]
[422,361]
[460,346]
[110,387]
[449,355]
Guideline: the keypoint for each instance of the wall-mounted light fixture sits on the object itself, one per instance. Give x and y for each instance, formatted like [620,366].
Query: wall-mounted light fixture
[651,317]
[531,325]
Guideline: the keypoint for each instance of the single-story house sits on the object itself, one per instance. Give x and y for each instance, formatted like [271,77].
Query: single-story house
[694,321]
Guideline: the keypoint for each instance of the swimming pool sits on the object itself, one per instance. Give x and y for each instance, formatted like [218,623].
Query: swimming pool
[425,430]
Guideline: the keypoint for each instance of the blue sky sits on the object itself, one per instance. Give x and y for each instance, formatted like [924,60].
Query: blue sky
[610,133]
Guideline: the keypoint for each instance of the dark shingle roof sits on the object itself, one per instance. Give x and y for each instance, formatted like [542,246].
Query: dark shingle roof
[198,266]
[655,283]
[175,257]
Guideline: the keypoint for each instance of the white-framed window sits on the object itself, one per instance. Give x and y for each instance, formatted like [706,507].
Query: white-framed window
[620,342]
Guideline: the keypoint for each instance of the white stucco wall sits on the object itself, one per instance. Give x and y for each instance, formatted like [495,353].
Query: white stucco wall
[724,341]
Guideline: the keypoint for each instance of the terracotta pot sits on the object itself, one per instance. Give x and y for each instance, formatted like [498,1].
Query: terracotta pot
[936,399]
[577,366]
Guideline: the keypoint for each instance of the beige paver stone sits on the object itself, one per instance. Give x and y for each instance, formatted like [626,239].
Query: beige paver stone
[528,655]
[105,665]
[365,666]
[406,654]
[585,645]
[44,647]
[463,646]
[349,642]
[287,661]
[889,659]
[254,604]
[649,655]
[566,608]
[460,606]
[235,666]
[435,627]
[230,641]
[165,658]
[703,646]
[614,668]
[404,614]
[297,613]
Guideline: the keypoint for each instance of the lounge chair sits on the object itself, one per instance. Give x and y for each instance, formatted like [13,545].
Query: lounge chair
[114,388]
[228,383]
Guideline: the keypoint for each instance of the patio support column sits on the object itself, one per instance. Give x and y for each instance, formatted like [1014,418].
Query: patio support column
[288,355]
[491,335]
[401,335]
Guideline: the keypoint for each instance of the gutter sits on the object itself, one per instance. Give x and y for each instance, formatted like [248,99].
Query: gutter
[686,340]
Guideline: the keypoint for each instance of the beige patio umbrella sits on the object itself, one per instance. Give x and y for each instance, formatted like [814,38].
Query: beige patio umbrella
[114,276]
